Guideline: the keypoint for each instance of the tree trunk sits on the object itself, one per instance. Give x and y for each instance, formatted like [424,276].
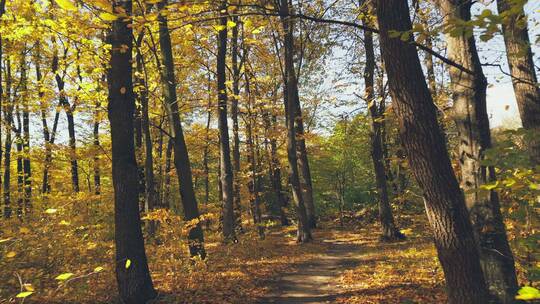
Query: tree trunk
[97,145]
[304,227]
[389,231]
[206,153]
[253,156]
[234,116]
[132,274]
[303,163]
[8,116]
[275,167]
[524,79]
[167,182]
[71,123]
[72,147]
[47,136]
[2,11]
[471,117]
[428,158]
[25,139]
[226,167]
[151,198]
[181,156]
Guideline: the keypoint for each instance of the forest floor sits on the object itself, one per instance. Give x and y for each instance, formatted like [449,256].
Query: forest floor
[341,265]
[353,266]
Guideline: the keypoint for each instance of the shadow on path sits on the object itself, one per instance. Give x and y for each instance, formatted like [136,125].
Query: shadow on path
[315,281]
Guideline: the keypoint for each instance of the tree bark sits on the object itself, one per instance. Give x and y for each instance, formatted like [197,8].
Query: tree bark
[25,137]
[181,156]
[303,163]
[524,79]
[8,116]
[226,167]
[234,116]
[304,227]
[133,277]
[470,114]
[428,158]
[275,167]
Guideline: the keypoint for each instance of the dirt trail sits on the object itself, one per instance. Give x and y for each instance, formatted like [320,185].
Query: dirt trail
[315,281]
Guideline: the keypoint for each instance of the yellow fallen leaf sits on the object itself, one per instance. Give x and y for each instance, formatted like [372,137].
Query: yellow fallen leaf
[11,254]
[51,211]
[64,276]
[24,294]
[28,287]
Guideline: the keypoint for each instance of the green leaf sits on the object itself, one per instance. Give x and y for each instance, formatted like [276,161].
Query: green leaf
[64,276]
[528,293]
[24,294]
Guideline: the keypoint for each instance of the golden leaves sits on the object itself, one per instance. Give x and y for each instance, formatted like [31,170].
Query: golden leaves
[68,5]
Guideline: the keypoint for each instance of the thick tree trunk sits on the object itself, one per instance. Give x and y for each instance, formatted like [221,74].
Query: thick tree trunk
[226,167]
[2,11]
[471,117]
[133,277]
[304,227]
[389,231]
[524,79]
[429,161]
[181,156]
[234,116]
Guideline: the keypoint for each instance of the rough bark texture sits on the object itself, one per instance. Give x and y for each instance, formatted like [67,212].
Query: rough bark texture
[134,282]
[304,227]
[524,79]
[429,161]
[181,156]
[470,115]
[224,148]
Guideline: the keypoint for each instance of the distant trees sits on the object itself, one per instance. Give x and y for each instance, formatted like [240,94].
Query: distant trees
[524,79]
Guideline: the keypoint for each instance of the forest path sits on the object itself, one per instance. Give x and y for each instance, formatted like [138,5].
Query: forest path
[316,281]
